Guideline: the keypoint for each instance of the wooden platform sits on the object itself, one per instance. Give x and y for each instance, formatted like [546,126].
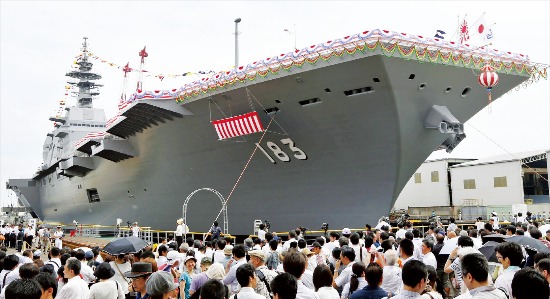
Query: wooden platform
[75,242]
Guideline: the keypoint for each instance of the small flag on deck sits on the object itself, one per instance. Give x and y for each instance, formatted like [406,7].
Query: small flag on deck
[238,125]
[464,32]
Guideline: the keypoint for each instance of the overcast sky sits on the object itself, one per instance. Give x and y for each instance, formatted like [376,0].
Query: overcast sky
[40,39]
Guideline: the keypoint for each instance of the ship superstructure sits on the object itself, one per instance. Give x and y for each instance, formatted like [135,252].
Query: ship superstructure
[327,134]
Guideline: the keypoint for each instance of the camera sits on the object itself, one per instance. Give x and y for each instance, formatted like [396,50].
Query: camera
[303,229]
[324,226]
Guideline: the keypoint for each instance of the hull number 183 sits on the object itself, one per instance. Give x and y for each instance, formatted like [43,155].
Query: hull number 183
[279,153]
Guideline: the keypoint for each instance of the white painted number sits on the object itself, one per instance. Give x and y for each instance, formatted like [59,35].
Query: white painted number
[299,154]
[279,153]
[265,153]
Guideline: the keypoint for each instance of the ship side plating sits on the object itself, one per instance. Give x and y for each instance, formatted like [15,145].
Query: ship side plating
[342,140]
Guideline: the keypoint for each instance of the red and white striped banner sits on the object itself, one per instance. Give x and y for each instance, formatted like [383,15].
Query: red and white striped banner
[238,125]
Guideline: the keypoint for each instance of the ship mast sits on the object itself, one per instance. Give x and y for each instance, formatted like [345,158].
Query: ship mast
[87,89]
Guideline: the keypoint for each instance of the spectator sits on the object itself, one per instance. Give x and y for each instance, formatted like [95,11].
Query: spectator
[406,250]
[139,274]
[121,266]
[510,256]
[347,258]
[431,292]
[391,273]
[231,268]
[75,286]
[374,276]
[24,289]
[214,289]
[105,288]
[529,284]
[429,257]
[187,276]
[215,271]
[283,286]
[295,263]
[475,273]
[357,280]
[465,246]
[322,280]
[47,284]
[247,280]
[543,266]
[161,285]
[414,279]
[265,276]
[272,260]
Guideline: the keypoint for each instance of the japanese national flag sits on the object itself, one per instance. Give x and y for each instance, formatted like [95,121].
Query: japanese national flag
[484,30]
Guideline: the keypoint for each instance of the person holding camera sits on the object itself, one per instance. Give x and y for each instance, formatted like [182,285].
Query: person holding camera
[261,232]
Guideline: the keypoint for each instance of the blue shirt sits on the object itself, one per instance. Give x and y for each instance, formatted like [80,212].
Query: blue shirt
[145,296]
[369,292]
[185,276]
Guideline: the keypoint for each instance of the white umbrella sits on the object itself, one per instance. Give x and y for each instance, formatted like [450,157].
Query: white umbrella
[449,246]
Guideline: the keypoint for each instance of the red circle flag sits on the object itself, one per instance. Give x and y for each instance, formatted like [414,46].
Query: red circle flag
[480,28]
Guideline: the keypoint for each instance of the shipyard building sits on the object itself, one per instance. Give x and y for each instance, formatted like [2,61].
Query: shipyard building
[505,183]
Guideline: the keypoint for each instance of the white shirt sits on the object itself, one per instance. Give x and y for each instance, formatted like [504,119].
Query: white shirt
[417,242]
[358,250]
[198,255]
[495,223]
[123,281]
[13,275]
[286,245]
[380,224]
[477,243]
[2,275]
[362,284]
[400,234]
[480,225]
[261,234]
[162,260]
[135,231]
[75,288]
[345,276]
[58,235]
[327,293]
[429,260]
[106,289]
[305,292]
[391,281]
[56,263]
[218,256]
[181,230]
[248,293]
[307,279]
[87,272]
[504,281]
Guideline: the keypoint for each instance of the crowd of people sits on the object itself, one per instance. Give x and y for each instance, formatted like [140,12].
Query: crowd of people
[371,263]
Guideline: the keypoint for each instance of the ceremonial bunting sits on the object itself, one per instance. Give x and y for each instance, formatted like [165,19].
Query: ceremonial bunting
[238,125]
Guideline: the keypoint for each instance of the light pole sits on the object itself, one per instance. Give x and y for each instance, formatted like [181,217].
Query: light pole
[293,33]
[237,21]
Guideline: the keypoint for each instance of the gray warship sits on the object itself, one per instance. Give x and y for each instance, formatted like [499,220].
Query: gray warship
[327,134]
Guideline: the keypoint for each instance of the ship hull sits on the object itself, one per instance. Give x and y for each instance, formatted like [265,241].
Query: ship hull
[359,150]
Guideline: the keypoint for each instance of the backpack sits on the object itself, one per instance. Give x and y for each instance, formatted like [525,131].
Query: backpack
[272,261]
